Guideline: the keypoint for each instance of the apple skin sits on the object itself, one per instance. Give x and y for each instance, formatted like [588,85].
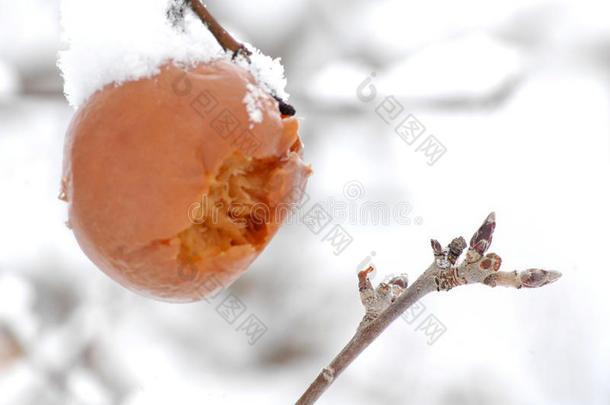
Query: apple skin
[138,155]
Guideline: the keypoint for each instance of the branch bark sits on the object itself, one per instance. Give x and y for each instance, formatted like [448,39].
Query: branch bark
[225,39]
[442,274]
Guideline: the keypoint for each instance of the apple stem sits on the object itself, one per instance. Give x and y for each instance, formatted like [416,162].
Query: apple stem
[229,43]
[225,39]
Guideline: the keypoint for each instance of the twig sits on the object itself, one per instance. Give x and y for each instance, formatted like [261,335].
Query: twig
[225,39]
[228,43]
[442,274]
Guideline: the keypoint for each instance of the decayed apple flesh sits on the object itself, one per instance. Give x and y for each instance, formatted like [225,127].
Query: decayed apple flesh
[234,212]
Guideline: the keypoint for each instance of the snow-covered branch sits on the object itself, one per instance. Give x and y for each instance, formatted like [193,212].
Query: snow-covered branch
[226,41]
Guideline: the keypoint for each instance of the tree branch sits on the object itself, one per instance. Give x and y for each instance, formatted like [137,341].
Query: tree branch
[225,39]
[389,300]
[228,43]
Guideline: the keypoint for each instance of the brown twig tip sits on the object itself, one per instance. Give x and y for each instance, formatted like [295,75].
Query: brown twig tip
[481,240]
[284,107]
[436,247]
[533,278]
[226,40]
[363,278]
[364,273]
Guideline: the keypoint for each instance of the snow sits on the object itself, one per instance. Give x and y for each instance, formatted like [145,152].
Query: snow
[252,100]
[270,78]
[268,71]
[116,41]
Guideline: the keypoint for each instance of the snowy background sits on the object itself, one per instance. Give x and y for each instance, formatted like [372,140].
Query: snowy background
[518,95]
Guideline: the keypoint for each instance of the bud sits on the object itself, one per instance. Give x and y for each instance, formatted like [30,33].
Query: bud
[363,278]
[401,281]
[456,247]
[436,247]
[532,278]
[481,240]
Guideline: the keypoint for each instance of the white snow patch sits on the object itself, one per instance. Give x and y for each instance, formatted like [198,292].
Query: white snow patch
[253,102]
[116,41]
[267,71]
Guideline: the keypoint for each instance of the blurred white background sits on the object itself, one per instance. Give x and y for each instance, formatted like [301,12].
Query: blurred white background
[518,94]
